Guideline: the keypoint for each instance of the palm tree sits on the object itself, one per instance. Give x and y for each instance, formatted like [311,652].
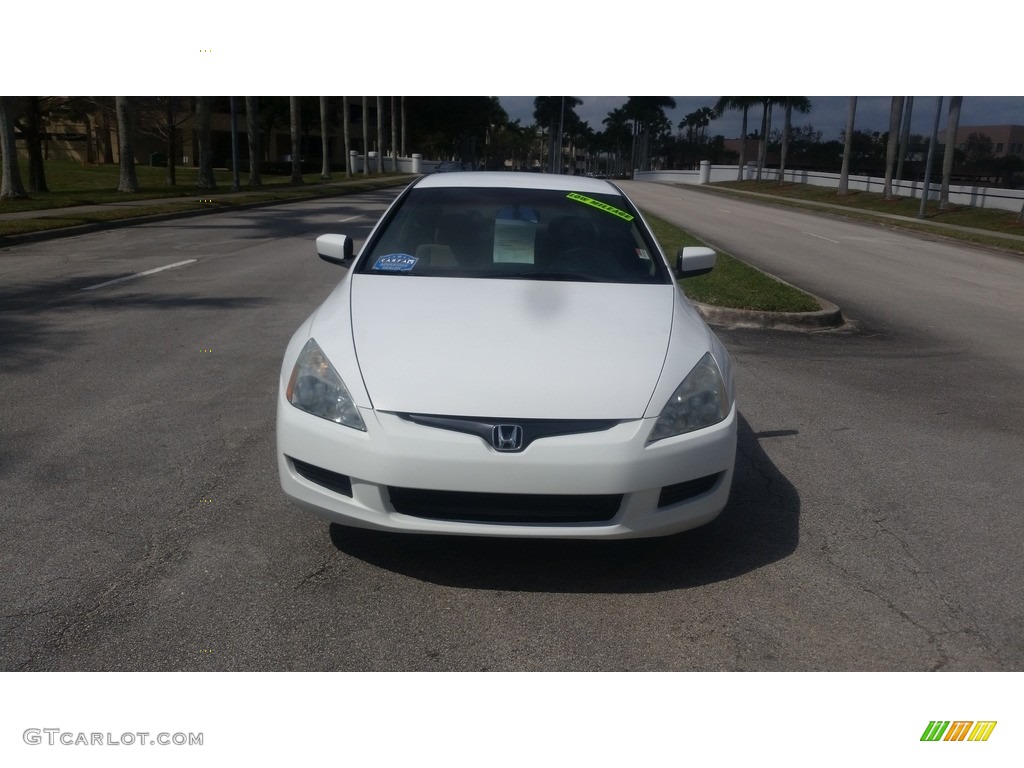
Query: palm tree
[403,128]
[743,103]
[648,116]
[380,134]
[128,182]
[904,135]
[345,122]
[252,127]
[802,105]
[366,136]
[31,132]
[171,127]
[617,132]
[295,125]
[204,117]
[952,125]
[767,103]
[325,164]
[394,138]
[696,126]
[550,114]
[895,117]
[11,186]
[844,174]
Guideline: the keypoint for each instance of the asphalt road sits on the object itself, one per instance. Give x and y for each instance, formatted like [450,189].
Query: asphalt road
[874,520]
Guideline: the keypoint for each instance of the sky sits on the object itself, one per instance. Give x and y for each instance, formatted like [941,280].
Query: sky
[452,47]
[828,113]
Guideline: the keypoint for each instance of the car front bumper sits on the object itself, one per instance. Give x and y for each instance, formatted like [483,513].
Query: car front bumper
[373,479]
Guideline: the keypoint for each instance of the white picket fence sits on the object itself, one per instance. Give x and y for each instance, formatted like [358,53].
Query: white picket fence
[982,197]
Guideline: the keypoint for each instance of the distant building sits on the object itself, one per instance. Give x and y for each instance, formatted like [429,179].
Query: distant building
[1006,139]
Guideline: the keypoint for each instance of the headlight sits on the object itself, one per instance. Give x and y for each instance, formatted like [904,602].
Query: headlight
[700,401]
[315,387]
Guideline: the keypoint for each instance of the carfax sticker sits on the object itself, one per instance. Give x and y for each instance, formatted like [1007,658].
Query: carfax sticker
[395,262]
[598,204]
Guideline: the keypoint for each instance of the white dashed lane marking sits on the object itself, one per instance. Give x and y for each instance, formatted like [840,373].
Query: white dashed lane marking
[137,274]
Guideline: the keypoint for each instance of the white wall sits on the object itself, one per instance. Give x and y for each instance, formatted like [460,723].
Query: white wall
[982,197]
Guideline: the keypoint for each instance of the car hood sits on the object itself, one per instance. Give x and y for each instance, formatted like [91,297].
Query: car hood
[513,348]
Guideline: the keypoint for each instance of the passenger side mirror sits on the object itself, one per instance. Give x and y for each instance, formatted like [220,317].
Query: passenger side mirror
[337,249]
[694,260]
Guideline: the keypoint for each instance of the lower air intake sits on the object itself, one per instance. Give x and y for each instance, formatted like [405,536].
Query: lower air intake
[331,480]
[511,508]
[673,494]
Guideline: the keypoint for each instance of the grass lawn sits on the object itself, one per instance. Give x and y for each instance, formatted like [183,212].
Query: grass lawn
[731,283]
[862,205]
[72,184]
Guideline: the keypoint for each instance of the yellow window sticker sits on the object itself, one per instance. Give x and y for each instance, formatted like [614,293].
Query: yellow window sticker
[598,204]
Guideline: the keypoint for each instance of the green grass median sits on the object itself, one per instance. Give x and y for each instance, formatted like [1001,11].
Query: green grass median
[873,207]
[74,185]
[731,283]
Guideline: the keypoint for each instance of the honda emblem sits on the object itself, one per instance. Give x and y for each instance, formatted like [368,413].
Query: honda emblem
[507,437]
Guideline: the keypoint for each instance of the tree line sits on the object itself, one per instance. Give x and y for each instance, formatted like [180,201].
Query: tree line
[638,135]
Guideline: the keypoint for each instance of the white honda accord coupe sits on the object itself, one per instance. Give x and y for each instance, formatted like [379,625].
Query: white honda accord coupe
[509,354]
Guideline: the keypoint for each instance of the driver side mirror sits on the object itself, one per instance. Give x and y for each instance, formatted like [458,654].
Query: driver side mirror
[337,249]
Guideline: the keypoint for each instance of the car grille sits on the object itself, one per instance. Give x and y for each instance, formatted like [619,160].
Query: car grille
[673,494]
[512,508]
[332,480]
[532,429]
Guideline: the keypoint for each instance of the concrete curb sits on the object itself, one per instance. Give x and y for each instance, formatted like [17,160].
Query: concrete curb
[830,316]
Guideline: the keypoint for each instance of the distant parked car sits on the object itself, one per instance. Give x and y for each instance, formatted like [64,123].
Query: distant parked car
[509,355]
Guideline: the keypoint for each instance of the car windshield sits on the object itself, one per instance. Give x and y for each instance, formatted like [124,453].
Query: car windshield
[496,232]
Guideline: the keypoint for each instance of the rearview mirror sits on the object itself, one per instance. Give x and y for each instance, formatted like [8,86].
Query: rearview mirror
[336,249]
[694,260]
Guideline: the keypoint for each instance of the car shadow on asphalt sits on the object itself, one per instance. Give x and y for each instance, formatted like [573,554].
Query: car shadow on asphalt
[36,328]
[759,526]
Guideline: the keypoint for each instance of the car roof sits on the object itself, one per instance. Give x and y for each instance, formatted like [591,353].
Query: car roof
[518,180]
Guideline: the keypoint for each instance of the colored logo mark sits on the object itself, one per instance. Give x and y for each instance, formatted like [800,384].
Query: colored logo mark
[958,730]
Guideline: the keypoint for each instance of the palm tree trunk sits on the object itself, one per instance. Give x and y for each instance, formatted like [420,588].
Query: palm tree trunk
[844,174]
[787,127]
[346,131]
[325,161]
[36,172]
[905,136]
[252,127]
[394,138]
[762,146]
[172,143]
[296,131]
[366,136]
[895,117]
[108,145]
[203,119]
[947,156]
[743,146]
[11,186]
[380,134]
[125,145]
